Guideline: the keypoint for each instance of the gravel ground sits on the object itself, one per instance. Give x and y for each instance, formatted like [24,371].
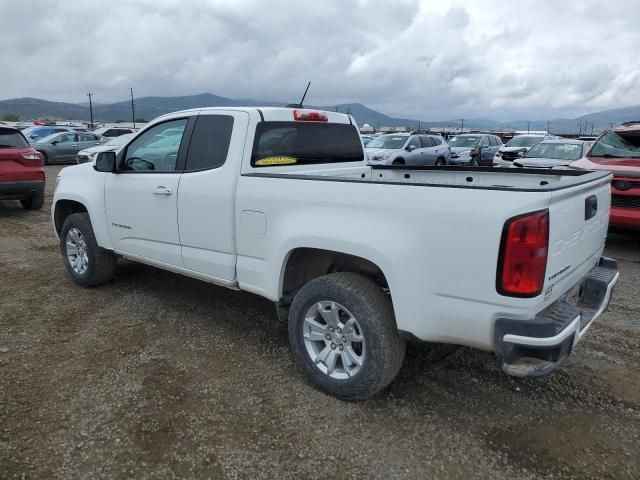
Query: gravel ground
[156,375]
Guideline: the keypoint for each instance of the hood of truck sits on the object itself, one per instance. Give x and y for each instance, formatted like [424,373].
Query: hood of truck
[621,165]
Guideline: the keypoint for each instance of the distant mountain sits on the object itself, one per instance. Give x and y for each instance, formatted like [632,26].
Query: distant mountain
[34,108]
[151,107]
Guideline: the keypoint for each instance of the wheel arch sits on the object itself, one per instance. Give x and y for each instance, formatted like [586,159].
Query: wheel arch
[64,208]
[303,264]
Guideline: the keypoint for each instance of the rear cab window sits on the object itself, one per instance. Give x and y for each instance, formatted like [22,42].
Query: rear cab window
[209,143]
[10,138]
[278,143]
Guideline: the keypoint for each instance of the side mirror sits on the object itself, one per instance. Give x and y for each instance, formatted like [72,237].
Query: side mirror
[410,148]
[105,162]
[55,142]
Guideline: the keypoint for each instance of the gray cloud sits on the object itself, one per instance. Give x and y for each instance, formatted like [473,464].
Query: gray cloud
[411,58]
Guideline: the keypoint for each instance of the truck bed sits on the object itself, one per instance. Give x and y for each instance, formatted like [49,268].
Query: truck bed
[488,178]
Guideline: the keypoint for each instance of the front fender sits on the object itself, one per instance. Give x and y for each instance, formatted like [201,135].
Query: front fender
[82,184]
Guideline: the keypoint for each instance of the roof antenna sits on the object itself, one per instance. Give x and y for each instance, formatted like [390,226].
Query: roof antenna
[299,105]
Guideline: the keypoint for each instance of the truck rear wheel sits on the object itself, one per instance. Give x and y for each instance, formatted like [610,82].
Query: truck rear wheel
[87,263]
[344,337]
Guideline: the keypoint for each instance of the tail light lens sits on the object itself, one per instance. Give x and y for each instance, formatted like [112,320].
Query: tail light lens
[32,155]
[310,116]
[523,255]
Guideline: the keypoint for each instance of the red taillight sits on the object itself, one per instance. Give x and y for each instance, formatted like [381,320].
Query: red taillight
[32,155]
[523,255]
[310,116]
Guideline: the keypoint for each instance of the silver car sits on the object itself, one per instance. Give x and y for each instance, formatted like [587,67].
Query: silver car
[408,149]
[63,147]
[474,149]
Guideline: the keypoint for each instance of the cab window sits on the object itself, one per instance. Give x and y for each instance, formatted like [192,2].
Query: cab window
[209,142]
[156,150]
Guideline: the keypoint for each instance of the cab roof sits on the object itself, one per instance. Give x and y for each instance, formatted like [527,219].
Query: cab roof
[272,114]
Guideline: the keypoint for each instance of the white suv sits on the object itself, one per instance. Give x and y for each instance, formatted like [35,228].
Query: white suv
[517,147]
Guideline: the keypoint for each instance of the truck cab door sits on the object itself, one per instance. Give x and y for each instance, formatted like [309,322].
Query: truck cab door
[207,194]
[141,199]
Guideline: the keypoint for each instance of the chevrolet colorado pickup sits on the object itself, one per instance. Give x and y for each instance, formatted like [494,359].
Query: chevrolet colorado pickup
[358,259]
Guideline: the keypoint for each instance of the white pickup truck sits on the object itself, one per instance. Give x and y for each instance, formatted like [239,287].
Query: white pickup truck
[358,259]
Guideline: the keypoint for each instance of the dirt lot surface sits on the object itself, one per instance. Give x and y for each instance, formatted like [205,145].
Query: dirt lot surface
[160,376]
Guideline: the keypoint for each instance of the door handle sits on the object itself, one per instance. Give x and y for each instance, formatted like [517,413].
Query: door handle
[74,144]
[162,191]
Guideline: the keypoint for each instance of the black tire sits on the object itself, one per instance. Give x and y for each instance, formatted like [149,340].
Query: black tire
[33,203]
[398,161]
[441,162]
[45,158]
[101,263]
[383,348]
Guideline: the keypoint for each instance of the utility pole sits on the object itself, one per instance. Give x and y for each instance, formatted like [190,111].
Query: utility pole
[90,94]
[133,111]
[591,128]
[548,123]
[462,125]
[528,126]
[611,125]
[348,111]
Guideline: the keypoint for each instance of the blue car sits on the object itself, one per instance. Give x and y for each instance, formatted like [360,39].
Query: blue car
[33,134]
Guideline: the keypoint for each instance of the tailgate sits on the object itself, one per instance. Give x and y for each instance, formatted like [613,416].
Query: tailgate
[579,218]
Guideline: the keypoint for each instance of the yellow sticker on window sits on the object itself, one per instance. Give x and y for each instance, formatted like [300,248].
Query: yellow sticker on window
[276,161]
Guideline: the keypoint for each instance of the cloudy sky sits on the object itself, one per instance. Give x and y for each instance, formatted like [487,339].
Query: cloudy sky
[410,58]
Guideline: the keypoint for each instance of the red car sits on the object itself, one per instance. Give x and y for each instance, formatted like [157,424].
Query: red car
[21,171]
[618,150]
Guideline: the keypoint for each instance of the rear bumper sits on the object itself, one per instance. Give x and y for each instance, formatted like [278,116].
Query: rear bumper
[20,190]
[624,218]
[536,347]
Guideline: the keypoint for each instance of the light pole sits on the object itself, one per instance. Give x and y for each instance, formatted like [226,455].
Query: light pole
[133,111]
[548,123]
[90,94]
[462,125]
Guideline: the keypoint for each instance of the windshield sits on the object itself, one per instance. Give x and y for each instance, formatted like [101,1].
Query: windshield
[118,141]
[617,145]
[464,142]
[12,139]
[524,141]
[392,142]
[560,151]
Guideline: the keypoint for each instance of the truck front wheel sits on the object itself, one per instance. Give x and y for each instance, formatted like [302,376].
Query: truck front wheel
[87,263]
[344,337]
